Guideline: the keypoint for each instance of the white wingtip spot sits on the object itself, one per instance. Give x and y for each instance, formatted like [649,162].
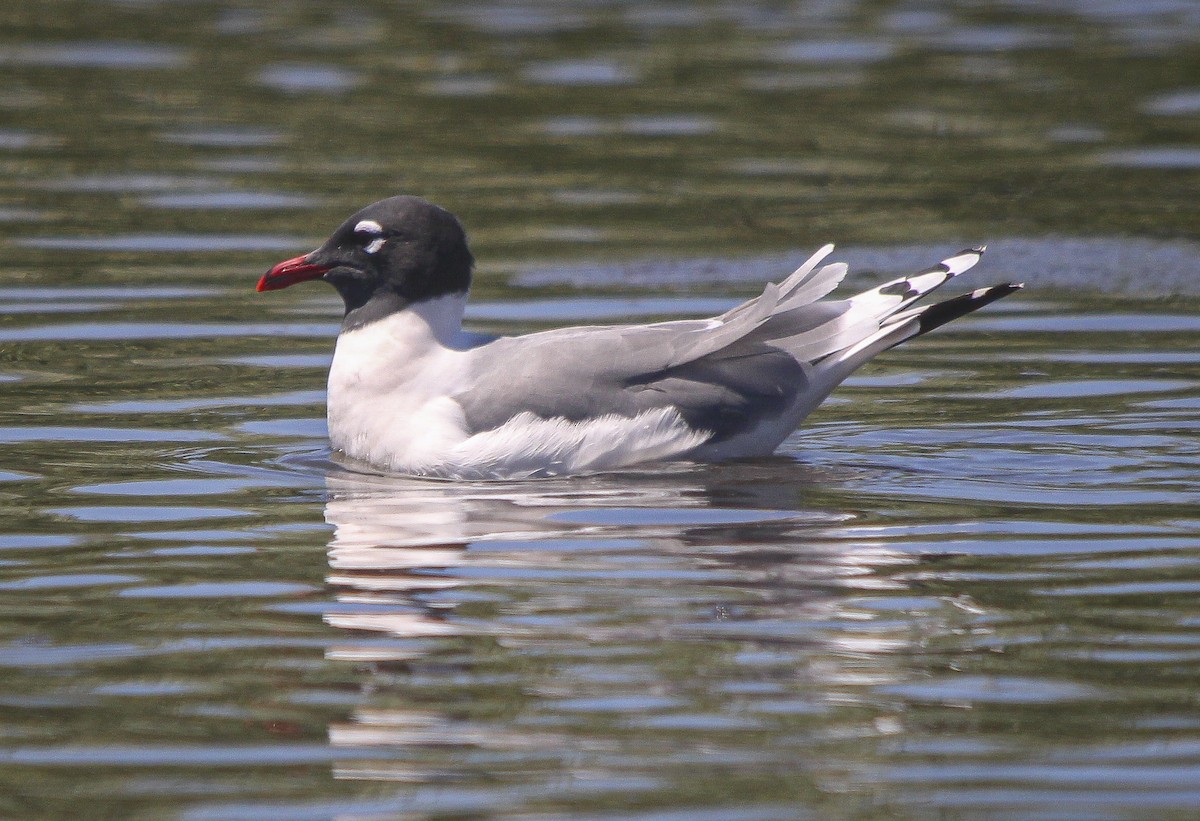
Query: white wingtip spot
[962,262]
[368,227]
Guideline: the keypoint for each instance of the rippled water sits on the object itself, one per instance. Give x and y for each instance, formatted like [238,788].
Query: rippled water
[966,589]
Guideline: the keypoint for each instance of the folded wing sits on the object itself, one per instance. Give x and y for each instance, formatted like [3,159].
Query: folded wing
[767,362]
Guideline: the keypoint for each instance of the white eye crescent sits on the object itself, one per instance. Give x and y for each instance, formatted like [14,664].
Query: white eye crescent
[368,227]
[374,245]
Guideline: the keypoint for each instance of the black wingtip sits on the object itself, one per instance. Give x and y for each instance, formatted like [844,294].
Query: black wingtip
[942,312]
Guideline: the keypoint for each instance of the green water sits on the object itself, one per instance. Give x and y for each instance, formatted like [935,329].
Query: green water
[966,589]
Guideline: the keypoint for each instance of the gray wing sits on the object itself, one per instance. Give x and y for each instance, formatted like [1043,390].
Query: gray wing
[724,375]
[579,373]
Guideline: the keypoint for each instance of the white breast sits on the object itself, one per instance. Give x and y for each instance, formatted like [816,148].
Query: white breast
[389,387]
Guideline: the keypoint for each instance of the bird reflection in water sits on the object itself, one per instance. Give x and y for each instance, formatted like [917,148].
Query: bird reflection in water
[499,621]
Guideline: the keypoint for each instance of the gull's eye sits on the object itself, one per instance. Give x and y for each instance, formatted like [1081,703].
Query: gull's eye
[370,233]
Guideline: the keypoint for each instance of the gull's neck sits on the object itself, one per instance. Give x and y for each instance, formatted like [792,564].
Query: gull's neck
[437,320]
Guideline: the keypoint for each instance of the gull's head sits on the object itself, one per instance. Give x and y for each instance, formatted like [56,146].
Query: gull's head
[396,251]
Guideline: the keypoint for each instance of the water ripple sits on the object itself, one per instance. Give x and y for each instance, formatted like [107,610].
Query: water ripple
[161,243]
[94,54]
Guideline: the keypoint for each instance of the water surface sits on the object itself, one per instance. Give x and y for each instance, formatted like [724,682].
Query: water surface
[965,589]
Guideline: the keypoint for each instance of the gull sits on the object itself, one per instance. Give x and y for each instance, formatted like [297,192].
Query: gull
[411,392]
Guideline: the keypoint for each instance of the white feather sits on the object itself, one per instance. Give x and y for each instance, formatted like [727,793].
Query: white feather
[528,445]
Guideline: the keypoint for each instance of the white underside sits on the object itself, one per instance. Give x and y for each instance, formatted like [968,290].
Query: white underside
[433,441]
[528,446]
